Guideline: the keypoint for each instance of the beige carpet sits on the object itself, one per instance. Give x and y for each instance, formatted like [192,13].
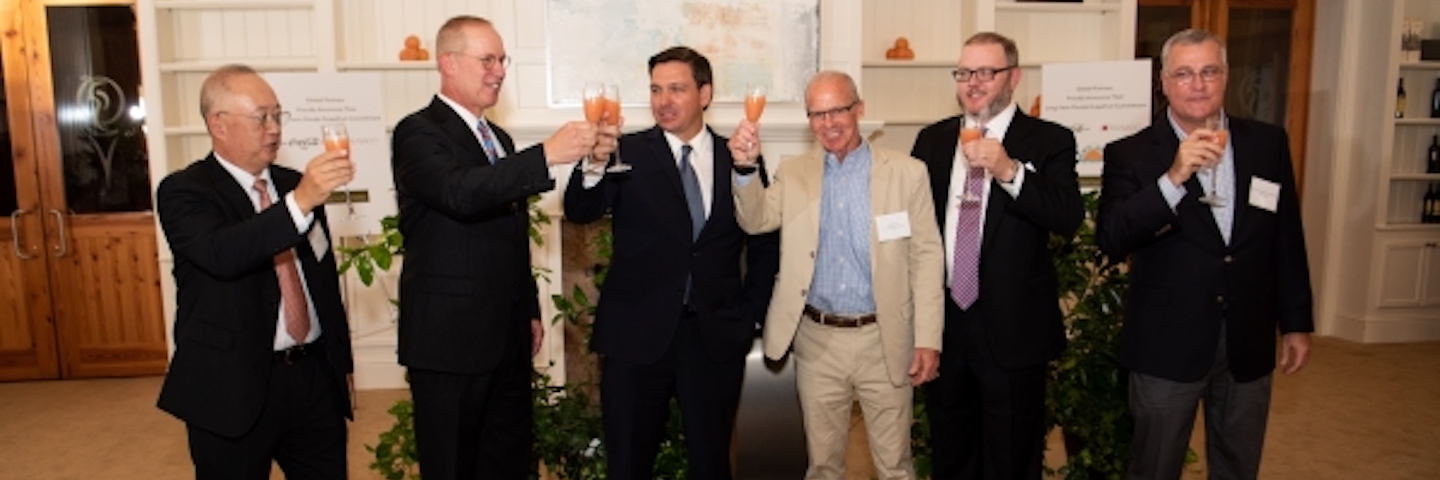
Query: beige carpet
[1358,412]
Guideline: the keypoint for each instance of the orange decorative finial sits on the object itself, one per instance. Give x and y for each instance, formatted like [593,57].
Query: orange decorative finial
[901,50]
[412,50]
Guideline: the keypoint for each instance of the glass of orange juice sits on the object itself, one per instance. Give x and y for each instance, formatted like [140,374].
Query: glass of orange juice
[335,137]
[594,101]
[612,113]
[1221,136]
[970,130]
[754,102]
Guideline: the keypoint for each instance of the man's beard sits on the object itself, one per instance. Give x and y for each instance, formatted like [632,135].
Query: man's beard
[994,107]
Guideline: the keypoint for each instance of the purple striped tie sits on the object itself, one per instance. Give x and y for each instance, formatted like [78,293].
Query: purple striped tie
[965,273]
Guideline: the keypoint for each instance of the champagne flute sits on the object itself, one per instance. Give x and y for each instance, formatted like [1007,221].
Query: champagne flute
[612,114]
[593,98]
[335,137]
[1221,136]
[970,131]
[754,102]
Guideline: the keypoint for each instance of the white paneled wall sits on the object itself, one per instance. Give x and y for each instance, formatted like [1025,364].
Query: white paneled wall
[183,40]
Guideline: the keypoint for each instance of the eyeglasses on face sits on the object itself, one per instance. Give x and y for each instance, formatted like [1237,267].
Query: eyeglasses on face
[831,113]
[488,61]
[1186,76]
[982,74]
[279,117]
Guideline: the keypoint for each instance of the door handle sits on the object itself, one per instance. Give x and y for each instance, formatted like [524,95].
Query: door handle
[63,247]
[15,234]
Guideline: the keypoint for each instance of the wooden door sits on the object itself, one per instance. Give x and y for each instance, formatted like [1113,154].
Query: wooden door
[1269,46]
[27,328]
[92,200]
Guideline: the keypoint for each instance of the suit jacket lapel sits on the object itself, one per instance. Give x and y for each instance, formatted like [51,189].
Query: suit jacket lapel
[230,191]
[1244,171]
[880,172]
[455,127]
[722,208]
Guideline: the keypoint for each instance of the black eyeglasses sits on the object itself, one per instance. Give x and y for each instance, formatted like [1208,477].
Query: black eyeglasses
[488,61]
[279,117]
[831,113]
[981,74]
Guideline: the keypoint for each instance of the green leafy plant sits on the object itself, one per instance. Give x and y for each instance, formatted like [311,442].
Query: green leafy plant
[1086,394]
[395,457]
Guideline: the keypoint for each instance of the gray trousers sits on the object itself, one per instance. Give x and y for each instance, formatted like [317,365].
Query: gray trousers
[1164,410]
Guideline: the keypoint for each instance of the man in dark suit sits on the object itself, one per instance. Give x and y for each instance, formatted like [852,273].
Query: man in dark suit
[469,312]
[1217,264]
[998,199]
[262,348]
[686,287]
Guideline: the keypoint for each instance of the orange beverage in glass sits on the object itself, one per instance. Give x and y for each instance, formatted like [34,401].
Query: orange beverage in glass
[335,137]
[968,135]
[594,109]
[754,102]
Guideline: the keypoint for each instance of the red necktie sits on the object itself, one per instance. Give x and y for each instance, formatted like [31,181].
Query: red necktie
[292,293]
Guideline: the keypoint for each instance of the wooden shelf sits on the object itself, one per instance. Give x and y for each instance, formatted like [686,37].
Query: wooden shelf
[1409,227]
[1415,121]
[908,64]
[1416,177]
[1420,65]
[262,64]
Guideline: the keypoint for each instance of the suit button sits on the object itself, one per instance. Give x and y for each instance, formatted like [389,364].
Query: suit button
[812,254]
[1219,299]
[1229,259]
[804,292]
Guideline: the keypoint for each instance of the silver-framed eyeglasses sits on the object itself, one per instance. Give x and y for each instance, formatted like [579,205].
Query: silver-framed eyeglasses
[984,74]
[831,113]
[1186,76]
[488,61]
[278,116]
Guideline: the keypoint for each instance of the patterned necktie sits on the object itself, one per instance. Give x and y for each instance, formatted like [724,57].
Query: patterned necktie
[292,293]
[487,140]
[965,272]
[693,198]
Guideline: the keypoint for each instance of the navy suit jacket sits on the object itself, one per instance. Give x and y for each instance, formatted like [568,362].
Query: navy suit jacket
[465,287]
[229,297]
[1184,280]
[654,252]
[1018,287]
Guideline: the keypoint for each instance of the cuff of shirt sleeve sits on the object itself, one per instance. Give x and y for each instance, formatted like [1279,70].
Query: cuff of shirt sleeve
[1173,194]
[302,221]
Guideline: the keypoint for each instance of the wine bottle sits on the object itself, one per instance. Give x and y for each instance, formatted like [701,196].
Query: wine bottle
[1435,100]
[1400,99]
[1432,160]
[1428,208]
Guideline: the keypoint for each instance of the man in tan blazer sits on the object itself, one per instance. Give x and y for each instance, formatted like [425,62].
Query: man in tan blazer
[859,291]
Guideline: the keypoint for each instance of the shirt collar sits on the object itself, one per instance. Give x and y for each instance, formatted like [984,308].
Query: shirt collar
[701,143]
[244,178]
[1000,123]
[464,113]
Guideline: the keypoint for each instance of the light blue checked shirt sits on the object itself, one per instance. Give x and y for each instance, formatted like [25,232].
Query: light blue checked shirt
[1225,182]
[842,262]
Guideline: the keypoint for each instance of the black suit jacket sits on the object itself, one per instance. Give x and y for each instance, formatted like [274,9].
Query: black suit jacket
[1184,279]
[1018,287]
[465,285]
[229,298]
[653,252]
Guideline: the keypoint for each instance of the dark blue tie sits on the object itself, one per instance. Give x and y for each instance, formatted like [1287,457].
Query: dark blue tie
[693,198]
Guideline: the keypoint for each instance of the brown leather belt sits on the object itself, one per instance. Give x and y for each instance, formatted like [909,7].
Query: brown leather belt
[837,320]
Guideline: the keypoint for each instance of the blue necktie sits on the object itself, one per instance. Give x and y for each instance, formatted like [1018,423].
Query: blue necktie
[487,140]
[694,201]
[693,198]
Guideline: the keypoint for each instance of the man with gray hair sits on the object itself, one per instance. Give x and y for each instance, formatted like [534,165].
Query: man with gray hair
[1204,205]
[858,295]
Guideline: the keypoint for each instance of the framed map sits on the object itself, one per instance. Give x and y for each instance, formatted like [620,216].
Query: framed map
[773,42]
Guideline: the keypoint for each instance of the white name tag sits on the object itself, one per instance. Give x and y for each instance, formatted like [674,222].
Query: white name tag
[1264,194]
[891,226]
[319,241]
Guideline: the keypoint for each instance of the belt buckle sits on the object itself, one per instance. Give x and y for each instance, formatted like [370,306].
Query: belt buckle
[291,354]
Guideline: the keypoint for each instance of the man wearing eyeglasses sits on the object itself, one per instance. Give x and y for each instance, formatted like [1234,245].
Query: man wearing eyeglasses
[998,197]
[858,296]
[1211,224]
[262,362]
[469,311]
